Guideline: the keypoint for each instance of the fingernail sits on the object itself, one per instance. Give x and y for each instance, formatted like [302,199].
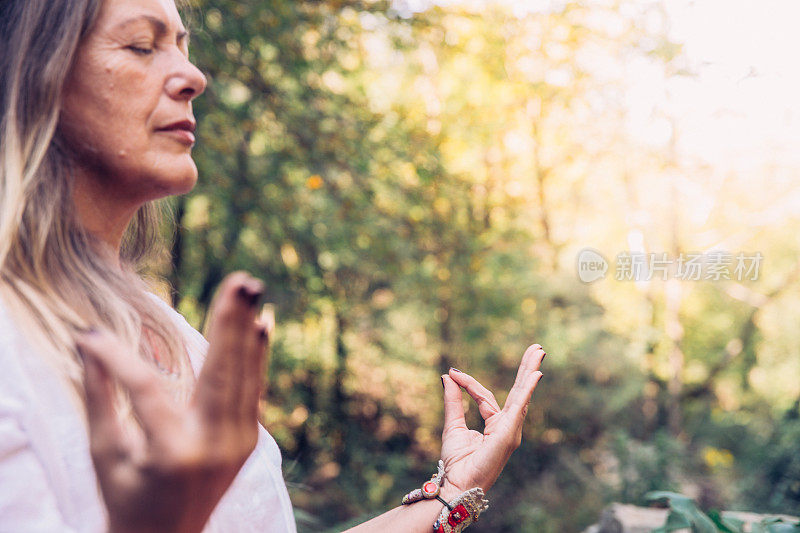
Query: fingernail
[544,355]
[442,377]
[455,369]
[83,333]
[249,296]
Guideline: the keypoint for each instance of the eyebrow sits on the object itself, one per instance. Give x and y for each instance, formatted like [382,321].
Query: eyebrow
[158,25]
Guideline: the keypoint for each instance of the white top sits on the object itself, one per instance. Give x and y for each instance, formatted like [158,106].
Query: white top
[47,481]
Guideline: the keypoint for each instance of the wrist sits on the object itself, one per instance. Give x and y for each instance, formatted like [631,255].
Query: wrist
[458,508]
[449,491]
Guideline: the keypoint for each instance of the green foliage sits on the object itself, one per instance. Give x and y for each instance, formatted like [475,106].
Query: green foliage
[773,467]
[685,514]
[726,524]
[682,514]
[776,525]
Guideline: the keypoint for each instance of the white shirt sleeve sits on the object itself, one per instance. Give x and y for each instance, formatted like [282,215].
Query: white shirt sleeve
[27,503]
[47,480]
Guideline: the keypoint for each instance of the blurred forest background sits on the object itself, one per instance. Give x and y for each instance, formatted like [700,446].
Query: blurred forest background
[414,181]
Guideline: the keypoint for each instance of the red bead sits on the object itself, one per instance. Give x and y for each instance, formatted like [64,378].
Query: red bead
[457,515]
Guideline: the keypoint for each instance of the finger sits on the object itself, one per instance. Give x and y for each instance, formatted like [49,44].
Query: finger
[267,318]
[256,345]
[520,393]
[105,434]
[266,323]
[453,407]
[227,376]
[531,362]
[152,404]
[487,404]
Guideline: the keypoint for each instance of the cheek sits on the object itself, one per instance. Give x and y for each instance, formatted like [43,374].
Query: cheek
[128,96]
[106,112]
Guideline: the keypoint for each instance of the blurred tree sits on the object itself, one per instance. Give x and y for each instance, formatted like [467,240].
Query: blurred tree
[414,188]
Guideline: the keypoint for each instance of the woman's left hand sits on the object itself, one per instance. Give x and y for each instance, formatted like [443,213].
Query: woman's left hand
[474,459]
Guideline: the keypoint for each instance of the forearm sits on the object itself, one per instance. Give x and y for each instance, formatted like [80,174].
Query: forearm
[415,518]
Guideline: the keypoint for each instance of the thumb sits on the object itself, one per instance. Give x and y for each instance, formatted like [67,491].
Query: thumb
[117,363]
[453,407]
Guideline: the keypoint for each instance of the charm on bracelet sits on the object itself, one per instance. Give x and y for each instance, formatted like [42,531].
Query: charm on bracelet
[429,490]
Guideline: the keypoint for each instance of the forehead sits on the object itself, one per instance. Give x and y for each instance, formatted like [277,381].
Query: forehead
[114,12]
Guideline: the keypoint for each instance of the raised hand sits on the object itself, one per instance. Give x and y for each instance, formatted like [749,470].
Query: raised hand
[474,459]
[169,476]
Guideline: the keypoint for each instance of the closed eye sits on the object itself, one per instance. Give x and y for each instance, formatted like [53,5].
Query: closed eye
[140,50]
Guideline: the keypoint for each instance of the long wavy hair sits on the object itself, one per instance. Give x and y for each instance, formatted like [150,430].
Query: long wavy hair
[52,272]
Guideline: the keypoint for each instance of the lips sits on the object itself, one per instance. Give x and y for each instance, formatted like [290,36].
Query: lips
[182,131]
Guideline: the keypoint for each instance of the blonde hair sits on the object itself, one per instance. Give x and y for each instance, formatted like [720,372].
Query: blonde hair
[51,272]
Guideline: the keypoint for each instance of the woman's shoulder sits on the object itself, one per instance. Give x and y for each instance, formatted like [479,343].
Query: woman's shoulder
[10,345]
[7,326]
[12,378]
[194,341]
[25,375]
[173,314]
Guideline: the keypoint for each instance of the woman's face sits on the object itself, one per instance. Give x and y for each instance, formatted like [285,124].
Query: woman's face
[127,108]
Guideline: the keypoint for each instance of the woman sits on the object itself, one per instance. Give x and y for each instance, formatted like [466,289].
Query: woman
[103,424]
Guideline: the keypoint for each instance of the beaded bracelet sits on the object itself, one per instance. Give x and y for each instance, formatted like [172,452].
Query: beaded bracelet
[459,512]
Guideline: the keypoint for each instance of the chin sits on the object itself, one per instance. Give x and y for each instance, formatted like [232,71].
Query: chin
[180,180]
[187,184]
[165,186]
[183,187]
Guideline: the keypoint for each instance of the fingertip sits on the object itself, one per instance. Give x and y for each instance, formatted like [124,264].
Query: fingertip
[87,343]
[93,360]
[250,293]
[456,375]
[451,387]
[238,298]
[453,407]
[267,318]
[535,379]
[248,289]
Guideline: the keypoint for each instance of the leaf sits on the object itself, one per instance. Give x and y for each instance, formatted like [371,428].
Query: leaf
[675,521]
[775,525]
[727,525]
[685,507]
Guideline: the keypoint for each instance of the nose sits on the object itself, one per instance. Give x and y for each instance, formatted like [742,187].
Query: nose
[186,82]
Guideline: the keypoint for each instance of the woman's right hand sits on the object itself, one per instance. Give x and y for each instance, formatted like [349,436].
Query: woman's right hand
[169,476]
